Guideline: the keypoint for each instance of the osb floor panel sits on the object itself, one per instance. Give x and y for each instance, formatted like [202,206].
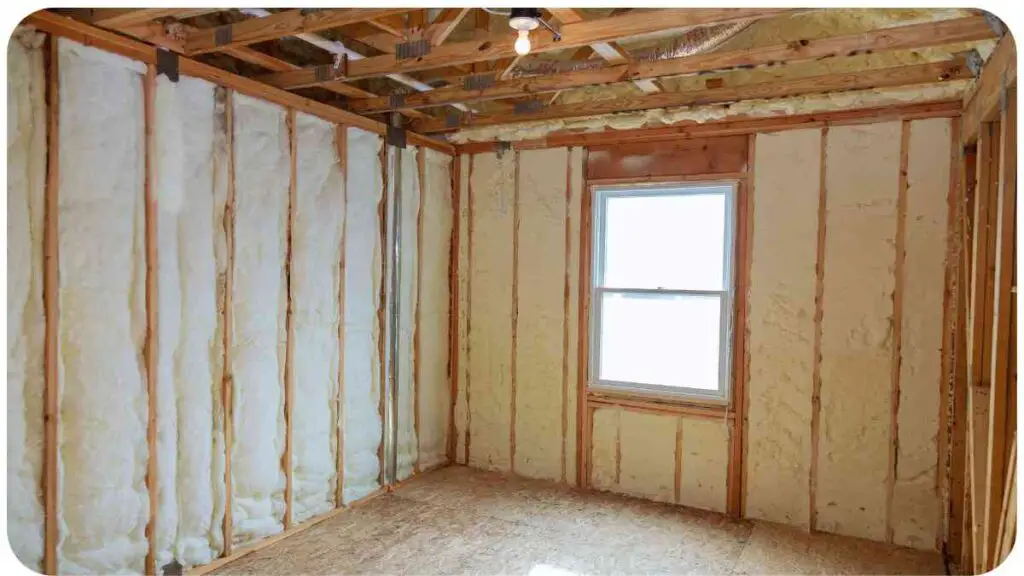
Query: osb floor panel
[462,521]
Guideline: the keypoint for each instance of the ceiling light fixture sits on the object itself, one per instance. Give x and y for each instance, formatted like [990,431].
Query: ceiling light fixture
[524,20]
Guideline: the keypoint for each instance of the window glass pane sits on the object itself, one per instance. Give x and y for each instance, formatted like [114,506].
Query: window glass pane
[669,340]
[665,241]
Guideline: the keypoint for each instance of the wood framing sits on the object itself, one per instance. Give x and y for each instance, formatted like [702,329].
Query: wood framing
[494,48]
[278,25]
[116,17]
[453,304]
[819,301]
[515,313]
[902,37]
[289,354]
[566,294]
[134,49]
[442,27]
[341,146]
[982,101]
[227,385]
[421,172]
[51,308]
[584,422]
[152,313]
[896,76]
[642,161]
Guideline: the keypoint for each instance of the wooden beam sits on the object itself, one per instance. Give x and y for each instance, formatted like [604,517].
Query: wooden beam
[289,322]
[903,37]
[573,36]
[278,25]
[227,381]
[878,78]
[341,146]
[999,351]
[117,17]
[51,307]
[610,51]
[62,26]
[981,103]
[443,26]
[152,314]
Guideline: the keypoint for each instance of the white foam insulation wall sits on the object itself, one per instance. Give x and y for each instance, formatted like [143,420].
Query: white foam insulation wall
[316,292]
[362,392]
[787,183]
[102,497]
[26,179]
[190,186]
[103,500]
[262,160]
[406,441]
[432,387]
[518,279]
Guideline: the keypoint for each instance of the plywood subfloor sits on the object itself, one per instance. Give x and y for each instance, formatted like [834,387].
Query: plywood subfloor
[462,521]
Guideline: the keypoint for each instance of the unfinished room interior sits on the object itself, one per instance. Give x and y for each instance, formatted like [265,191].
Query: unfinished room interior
[536,291]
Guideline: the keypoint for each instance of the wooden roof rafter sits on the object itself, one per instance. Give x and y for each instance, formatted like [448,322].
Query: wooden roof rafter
[572,36]
[911,36]
[891,77]
[278,25]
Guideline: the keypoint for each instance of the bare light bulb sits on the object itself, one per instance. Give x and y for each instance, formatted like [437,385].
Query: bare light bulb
[522,45]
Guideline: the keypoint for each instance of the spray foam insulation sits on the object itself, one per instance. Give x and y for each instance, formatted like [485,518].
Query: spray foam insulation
[916,504]
[432,386]
[26,182]
[862,177]
[319,214]
[406,442]
[634,453]
[461,416]
[362,420]
[787,168]
[490,334]
[102,421]
[540,237]
[262,182]
[190,188]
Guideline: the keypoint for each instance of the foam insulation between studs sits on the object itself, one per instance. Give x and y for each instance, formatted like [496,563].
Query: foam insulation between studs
[102,494]
[490,336]
[541,288]
[432,361]
[189,164]
[787,169]
[856,341]
[916,504]
[26,182]
[316,256]
[362,423]
[262,160]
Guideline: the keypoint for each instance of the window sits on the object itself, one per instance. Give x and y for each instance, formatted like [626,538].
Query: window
[662,289]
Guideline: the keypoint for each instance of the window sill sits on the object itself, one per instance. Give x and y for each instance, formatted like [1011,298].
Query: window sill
[652,402]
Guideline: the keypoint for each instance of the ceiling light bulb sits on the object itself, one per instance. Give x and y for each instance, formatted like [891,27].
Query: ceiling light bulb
[522,45]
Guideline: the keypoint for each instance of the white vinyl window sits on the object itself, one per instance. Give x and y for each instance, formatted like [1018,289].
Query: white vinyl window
[662,289]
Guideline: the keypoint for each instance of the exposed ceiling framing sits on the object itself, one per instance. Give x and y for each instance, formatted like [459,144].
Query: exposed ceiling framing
[605,61]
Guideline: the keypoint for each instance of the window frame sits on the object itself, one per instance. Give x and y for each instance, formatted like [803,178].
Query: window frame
[600,194]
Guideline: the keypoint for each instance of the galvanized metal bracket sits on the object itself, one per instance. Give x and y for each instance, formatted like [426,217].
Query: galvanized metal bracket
[412,49]
[396,99]
[452,120]
[478,81]
[328,72]
[167,64]
[528,107]
[395,135]
[222,35]
[501,147]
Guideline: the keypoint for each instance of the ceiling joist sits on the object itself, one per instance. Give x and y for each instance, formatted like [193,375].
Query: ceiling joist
[912,36]
[982,101]
[278,25]
[879,78]
[573,35]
